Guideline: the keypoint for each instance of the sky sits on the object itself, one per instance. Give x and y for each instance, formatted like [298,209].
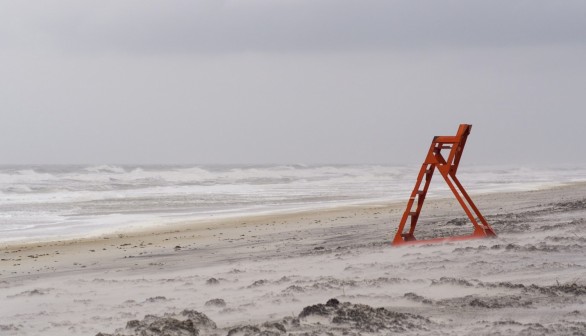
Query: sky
[290,81]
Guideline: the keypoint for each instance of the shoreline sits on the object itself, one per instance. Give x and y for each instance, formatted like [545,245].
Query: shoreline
[215,219]
[200,236]
[265,268]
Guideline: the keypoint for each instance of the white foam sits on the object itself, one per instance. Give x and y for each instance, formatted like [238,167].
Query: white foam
[38,201]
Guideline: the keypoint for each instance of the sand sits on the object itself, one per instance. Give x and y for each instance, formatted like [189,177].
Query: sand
[276,274]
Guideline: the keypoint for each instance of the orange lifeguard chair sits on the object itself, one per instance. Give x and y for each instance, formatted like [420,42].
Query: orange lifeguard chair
[447,168]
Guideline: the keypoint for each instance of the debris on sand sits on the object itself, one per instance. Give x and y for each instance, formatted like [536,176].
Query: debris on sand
[568,206]
[186,323]
[559,289]
[34,292]
[451,281]
[342,317]
[258,283]
[212,281]
[512,301]
[216,303]
[9,327]
[573,288]
[417,298]
[245,330]
[458,221]
[293,289]
[510,327]
[363,318]
[156,299]
[266,329]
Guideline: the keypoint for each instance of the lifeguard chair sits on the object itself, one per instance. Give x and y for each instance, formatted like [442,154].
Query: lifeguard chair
[447,167]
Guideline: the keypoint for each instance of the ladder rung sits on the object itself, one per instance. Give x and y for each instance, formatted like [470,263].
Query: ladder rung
[413,214]
[420,192]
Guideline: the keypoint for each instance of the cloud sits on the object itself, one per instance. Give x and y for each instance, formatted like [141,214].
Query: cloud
[261,81]
[291,26]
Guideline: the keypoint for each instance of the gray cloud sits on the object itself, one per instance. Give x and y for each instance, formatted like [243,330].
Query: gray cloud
[285,26]
[263,81]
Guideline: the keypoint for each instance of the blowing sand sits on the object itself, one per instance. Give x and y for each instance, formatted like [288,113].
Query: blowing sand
[313,272]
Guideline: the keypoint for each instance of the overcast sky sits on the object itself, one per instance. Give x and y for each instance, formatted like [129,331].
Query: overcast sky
[291,81]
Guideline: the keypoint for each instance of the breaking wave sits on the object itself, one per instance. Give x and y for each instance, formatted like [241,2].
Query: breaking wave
[78,198]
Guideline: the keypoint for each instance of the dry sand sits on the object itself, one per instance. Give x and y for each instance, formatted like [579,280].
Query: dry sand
[273,274]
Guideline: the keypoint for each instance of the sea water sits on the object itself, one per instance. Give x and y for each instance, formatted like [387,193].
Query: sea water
[55,202]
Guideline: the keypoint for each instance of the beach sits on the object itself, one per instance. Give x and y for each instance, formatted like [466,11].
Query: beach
[241,168]
[274,273]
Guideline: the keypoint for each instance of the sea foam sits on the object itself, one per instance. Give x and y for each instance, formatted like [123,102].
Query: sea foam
[39,202]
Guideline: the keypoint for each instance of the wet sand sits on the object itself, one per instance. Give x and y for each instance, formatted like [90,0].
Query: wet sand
[249,271]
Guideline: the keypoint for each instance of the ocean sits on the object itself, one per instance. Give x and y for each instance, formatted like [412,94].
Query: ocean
[56,202]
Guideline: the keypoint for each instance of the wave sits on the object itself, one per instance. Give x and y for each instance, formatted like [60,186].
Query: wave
[105,169]
[63,197]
